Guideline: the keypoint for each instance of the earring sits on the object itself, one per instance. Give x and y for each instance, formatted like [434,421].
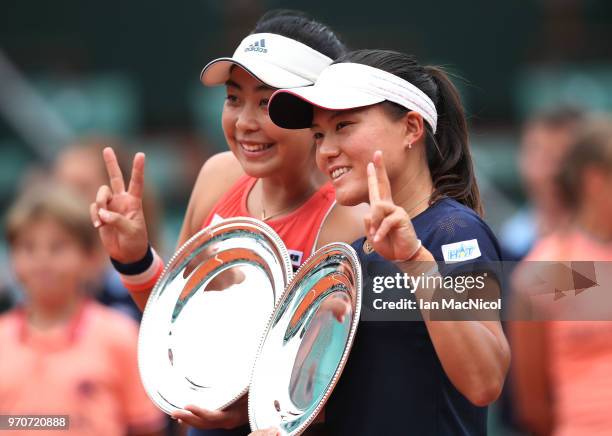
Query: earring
[409,145]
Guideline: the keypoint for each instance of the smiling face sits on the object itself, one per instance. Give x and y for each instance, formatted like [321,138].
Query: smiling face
[346,142]
[262,148]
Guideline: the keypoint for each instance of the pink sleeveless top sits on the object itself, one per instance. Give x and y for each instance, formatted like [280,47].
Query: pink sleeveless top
[299,230]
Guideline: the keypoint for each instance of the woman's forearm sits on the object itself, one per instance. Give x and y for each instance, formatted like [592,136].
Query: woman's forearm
[474,354]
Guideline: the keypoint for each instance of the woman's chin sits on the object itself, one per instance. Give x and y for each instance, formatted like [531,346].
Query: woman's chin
[348,197]
[259,170]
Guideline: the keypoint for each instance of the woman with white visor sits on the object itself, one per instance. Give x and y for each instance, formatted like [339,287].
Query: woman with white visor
[269,173]
[393,133]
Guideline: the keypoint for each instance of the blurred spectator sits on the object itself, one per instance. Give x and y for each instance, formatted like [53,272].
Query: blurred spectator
[563,369]
[60,353]
[545,140]
[81,166]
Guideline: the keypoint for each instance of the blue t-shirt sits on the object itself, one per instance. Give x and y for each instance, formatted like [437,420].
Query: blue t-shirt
[393,382]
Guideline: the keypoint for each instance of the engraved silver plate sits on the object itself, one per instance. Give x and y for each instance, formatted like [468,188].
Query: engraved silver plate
[206,315]
[307,341]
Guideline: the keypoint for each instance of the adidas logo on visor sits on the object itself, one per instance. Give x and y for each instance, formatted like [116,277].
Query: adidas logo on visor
[258,46]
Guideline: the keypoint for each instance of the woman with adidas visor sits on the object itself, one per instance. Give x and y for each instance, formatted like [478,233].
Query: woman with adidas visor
[270,173]
[393,133]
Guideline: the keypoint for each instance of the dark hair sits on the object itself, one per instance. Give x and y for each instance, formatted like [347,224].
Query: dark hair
[299,26]
[448,151]
[591,148]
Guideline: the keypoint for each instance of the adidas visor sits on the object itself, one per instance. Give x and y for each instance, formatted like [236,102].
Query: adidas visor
[347,86]
[275,60]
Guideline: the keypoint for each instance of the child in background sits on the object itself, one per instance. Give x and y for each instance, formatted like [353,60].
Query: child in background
[61,353]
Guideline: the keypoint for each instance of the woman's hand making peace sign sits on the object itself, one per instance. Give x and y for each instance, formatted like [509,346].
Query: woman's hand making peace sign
[388,226]
[118,214]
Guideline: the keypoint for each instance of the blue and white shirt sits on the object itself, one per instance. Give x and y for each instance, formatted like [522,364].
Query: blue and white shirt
[393,382]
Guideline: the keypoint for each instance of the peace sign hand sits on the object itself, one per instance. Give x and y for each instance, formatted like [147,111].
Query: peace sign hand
[388,226]
[118,214]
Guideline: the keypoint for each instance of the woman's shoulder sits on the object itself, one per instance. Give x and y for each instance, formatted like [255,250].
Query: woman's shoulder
[451,217]
[454,232]
[224,165]
[218,174]
[450,207]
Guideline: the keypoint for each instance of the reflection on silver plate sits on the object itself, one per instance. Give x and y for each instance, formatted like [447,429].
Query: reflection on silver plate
[307,341]
[205,317]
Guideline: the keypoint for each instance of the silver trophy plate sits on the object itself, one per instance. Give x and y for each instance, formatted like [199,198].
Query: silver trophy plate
[206,316]
[307,341]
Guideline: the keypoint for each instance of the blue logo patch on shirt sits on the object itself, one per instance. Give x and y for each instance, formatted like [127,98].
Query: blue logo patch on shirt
[461,251]
[296,258]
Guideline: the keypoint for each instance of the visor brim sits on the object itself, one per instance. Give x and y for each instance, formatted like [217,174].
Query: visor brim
[293,108]
[217,72]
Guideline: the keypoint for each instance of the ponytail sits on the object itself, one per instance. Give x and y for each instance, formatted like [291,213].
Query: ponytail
[448,152]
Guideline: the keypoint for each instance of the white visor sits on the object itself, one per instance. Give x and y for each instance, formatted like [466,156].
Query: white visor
[275,60]
[346,86]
